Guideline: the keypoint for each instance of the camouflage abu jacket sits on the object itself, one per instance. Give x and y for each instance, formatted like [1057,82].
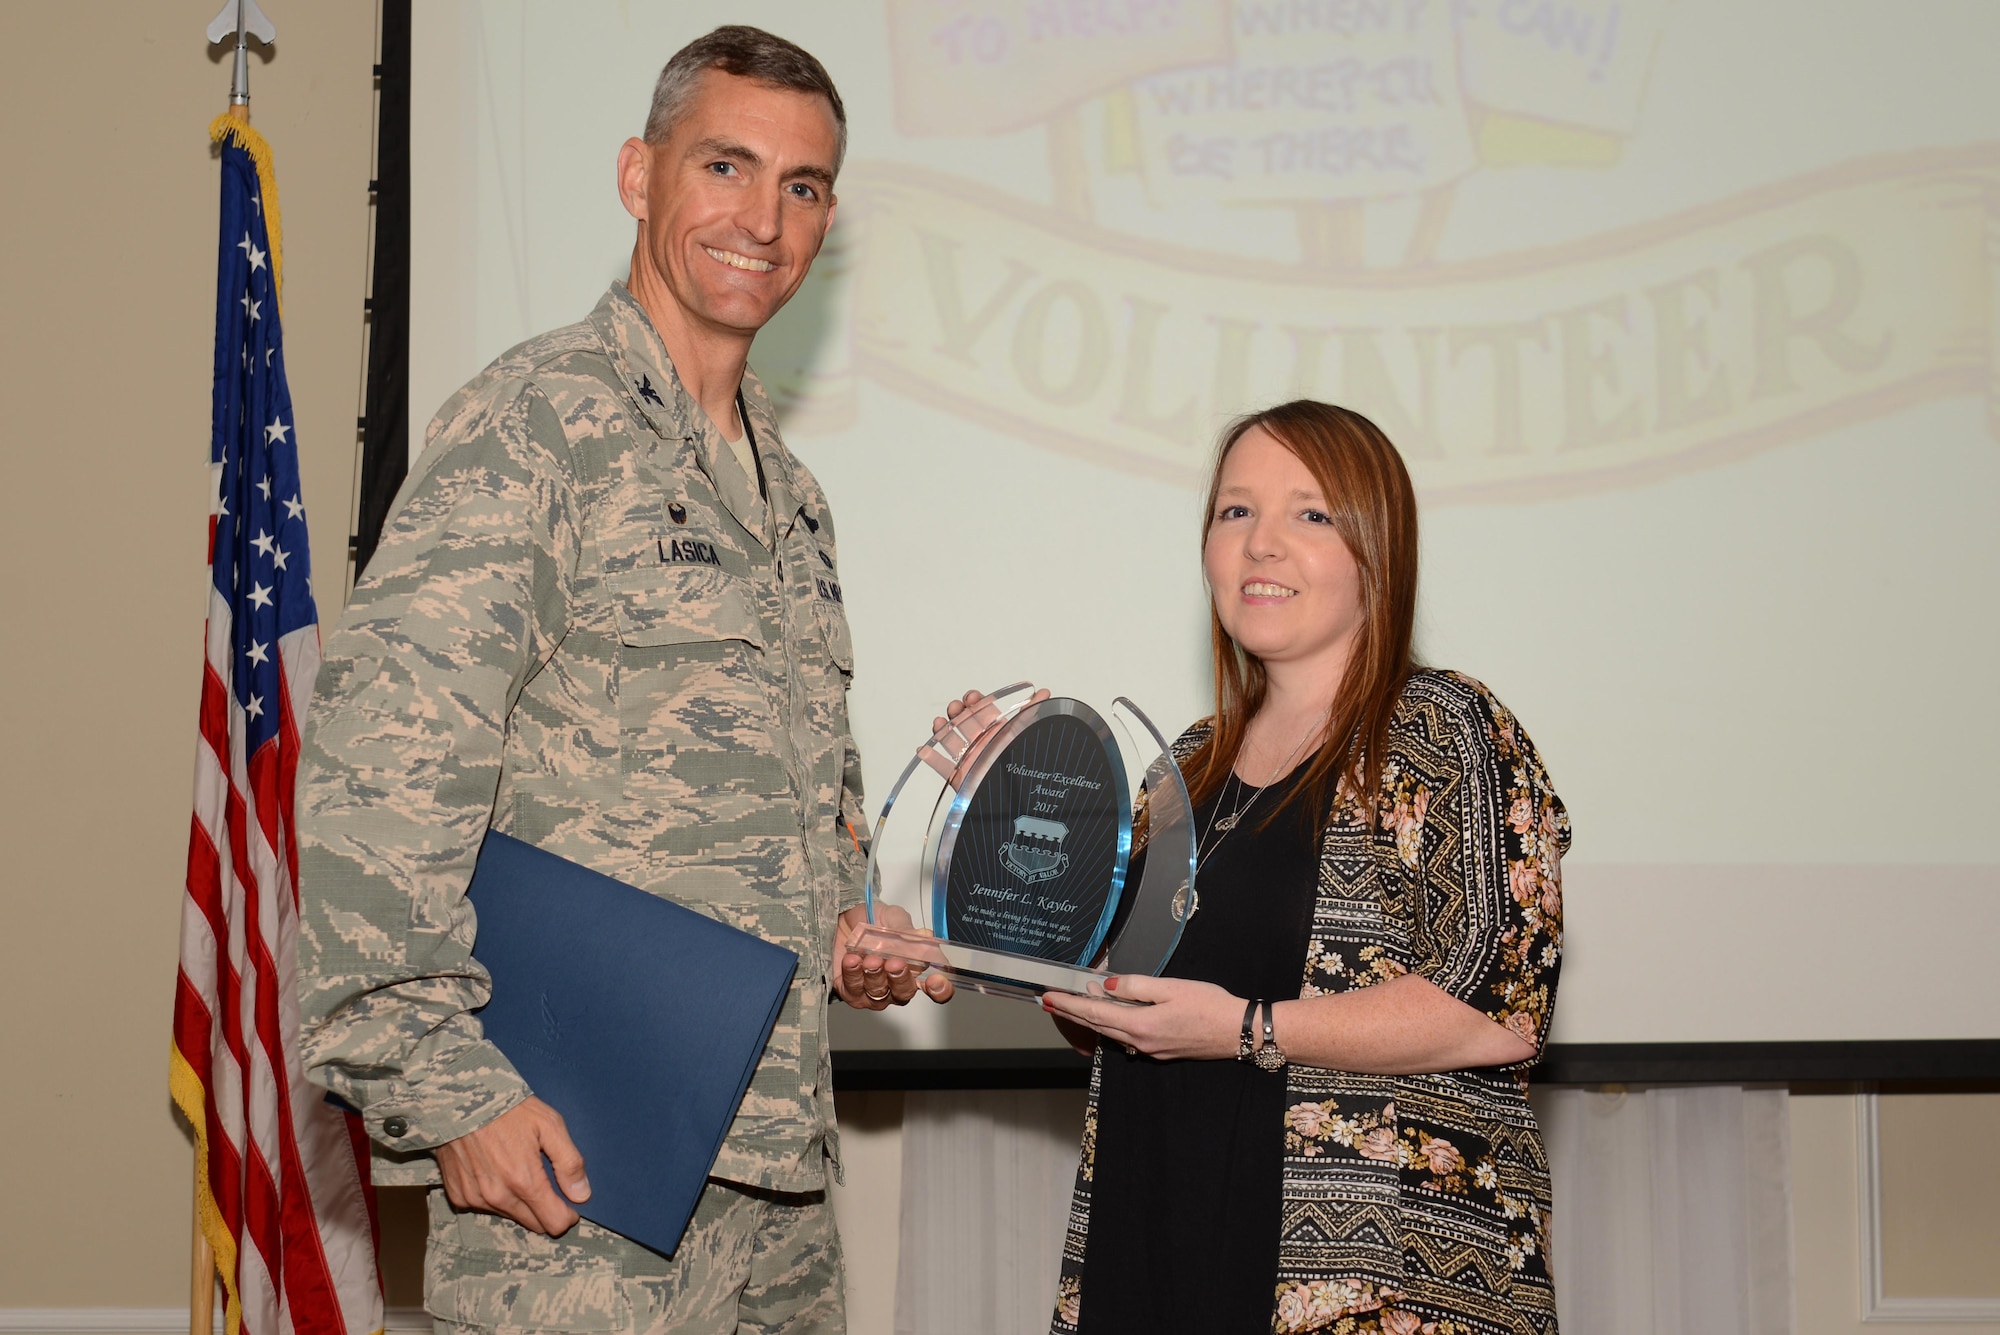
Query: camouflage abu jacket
[585,627]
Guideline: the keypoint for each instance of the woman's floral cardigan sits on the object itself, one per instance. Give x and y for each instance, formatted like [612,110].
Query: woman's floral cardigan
[1417,1204]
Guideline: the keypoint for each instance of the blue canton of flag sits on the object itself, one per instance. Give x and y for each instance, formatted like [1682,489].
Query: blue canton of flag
[258,560]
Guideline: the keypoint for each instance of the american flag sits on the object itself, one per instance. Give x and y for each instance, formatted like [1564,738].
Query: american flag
[282,1175]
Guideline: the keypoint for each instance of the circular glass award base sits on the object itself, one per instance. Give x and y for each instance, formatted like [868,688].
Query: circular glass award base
[1036,845]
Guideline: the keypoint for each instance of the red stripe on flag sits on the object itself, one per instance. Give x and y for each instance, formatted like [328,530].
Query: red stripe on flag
[237,819]
[289,745]
[192,1029]
[263,783]
[357,1145]
[193,1026]
[225,1170]
[289,1235]
[215,715]
[260,1214]
[204,887]
[261,1203]
[308,1278]
[260,1227]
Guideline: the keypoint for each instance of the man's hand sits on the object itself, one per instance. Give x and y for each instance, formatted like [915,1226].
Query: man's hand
[1182,1018]
[877,982]
[498,1169]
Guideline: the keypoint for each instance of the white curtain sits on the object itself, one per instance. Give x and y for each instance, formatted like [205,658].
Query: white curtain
[986,1186]
[1672,1210]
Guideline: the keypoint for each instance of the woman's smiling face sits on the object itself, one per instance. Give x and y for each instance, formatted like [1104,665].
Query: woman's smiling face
[1285,586]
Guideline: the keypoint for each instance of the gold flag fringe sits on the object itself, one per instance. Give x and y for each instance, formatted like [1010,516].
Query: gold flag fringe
[227,126]
[192,1100]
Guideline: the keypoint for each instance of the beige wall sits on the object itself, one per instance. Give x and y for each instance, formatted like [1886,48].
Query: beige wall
[107,274]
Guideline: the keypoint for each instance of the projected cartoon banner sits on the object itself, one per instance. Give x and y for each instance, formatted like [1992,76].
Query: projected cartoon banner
[1825,299]
[1753,322]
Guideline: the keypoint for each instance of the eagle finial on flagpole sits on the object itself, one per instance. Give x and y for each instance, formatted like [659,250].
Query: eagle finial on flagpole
[243,18]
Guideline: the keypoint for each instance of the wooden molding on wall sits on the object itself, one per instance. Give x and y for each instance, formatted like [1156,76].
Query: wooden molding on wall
[1876,1305]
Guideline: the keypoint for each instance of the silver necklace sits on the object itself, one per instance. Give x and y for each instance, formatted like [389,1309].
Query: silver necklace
[1203,849]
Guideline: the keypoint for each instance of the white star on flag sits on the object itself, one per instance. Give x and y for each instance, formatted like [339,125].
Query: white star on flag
[260,595]
[259,652]
[294,510]
[255,708]
[276,431]
[263,542]
[264,487]
[252,306]
[256,259]
[279,558]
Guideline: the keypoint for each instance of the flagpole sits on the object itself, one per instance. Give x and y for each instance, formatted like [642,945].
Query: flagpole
[242,16]
[201,1294]
[201,1266]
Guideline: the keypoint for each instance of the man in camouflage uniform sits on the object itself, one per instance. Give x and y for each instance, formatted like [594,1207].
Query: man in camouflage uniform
[607,618]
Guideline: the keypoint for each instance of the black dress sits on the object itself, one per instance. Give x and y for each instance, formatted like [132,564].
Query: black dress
[1187,1186]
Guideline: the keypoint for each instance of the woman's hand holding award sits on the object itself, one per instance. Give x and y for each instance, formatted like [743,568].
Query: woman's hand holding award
[1013,841]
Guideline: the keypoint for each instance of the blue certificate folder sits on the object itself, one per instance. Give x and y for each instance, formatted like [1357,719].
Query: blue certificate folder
[637,1019]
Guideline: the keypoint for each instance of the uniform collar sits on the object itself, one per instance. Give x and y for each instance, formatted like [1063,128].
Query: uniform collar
[642,362]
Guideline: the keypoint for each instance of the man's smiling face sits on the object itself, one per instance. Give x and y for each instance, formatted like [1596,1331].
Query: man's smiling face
[734,203]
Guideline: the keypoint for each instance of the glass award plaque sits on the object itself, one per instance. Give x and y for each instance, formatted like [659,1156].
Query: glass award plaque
[1051,852]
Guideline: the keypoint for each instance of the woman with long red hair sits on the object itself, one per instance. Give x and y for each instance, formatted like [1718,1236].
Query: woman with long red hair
[1318,1120]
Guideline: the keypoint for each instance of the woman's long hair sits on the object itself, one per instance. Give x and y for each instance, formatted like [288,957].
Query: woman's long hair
[1374,509]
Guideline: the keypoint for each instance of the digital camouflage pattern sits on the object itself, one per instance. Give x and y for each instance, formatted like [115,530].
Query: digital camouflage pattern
[757,1261]
[585,627]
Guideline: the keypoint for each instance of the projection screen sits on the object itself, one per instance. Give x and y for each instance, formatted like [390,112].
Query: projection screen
[1681,313]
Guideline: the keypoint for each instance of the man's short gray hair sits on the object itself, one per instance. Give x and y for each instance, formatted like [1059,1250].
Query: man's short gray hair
[748,53]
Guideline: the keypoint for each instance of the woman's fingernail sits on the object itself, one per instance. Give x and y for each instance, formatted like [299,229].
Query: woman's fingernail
[1111,985]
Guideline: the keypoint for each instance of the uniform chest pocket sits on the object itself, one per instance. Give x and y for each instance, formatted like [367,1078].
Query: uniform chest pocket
[656,607]
[834,635]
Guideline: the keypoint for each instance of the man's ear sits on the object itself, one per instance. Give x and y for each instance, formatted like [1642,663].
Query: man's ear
[635,162]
